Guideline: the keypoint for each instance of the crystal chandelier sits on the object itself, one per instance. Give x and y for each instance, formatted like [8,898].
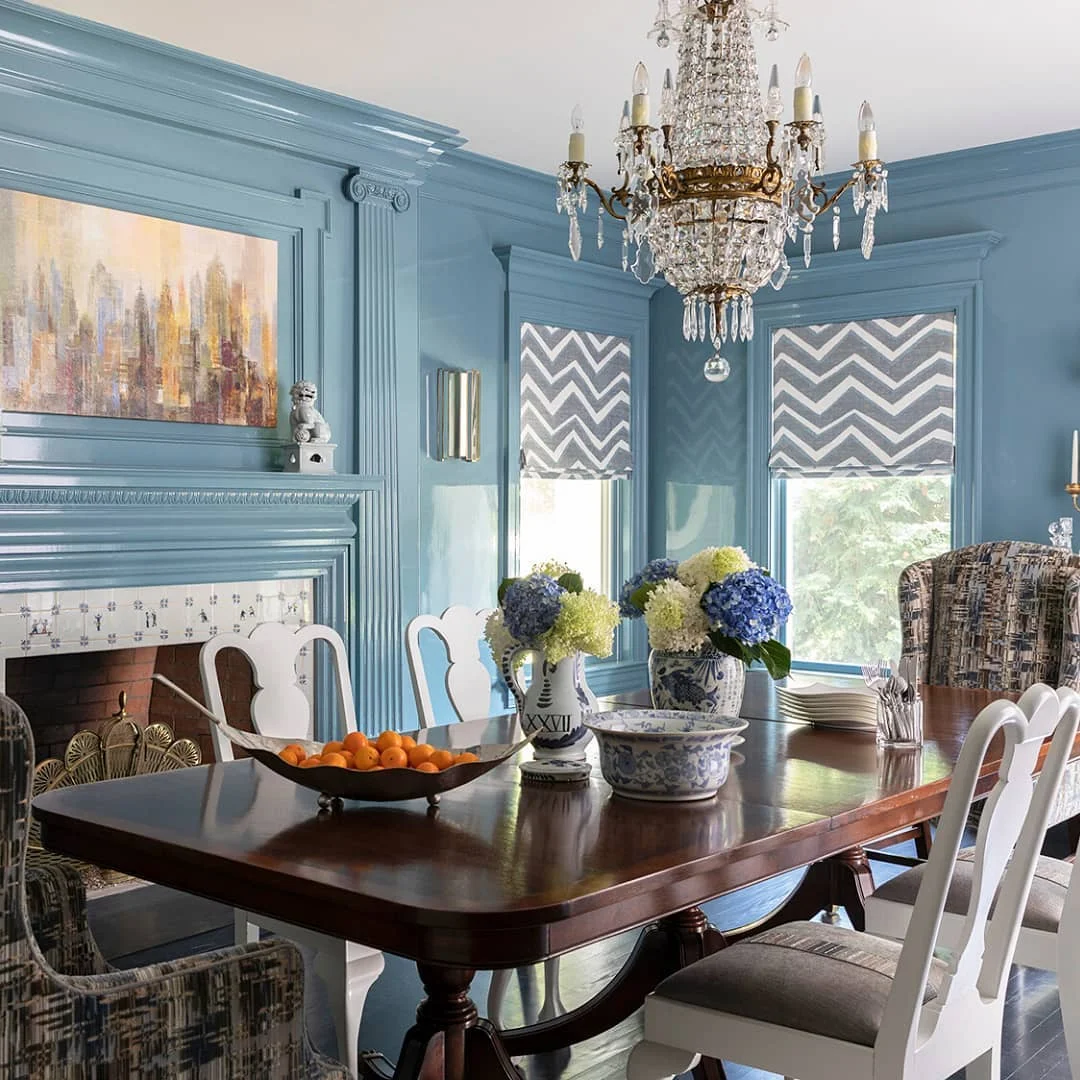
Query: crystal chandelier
[710,197]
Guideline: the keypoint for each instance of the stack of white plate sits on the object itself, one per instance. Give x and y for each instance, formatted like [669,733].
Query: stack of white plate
[850,708]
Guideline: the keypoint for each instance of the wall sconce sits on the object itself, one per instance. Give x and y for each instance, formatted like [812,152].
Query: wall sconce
[458,408]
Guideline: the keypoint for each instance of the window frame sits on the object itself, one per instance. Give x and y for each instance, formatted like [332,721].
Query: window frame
[918,277]
[553,291]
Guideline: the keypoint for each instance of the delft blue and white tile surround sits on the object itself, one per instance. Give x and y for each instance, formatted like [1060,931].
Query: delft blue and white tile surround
[93,620]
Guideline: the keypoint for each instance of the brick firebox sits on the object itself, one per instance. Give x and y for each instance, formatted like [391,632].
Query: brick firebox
[62,693]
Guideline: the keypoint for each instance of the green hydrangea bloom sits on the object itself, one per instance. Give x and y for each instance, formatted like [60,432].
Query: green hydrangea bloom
[585,624]
[674,617]
[712,564]
[552,568]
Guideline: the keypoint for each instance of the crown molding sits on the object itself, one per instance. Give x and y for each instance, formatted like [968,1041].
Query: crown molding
[486,184]
[539,273]
[54,485]
[62,56]
[1007,168]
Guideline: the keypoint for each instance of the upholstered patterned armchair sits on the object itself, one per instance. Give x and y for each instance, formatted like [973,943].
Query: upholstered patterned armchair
[996,616]
[234,1013]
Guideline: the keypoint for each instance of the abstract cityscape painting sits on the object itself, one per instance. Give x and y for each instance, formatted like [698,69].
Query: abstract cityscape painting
[109,313]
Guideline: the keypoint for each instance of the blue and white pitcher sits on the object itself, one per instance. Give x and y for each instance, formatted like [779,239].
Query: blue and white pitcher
[554,704]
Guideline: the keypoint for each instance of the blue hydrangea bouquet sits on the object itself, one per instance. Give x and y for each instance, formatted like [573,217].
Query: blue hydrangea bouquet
[550,610]
[714,601]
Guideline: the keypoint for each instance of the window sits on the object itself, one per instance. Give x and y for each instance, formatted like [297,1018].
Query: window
[569,521]
[862,463]
[575,449]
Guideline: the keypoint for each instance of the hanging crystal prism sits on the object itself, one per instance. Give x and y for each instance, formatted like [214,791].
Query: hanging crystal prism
[644,264]
[836,228]
[780,274]
[625,250]
[808,245]
[600,228]
[575,236]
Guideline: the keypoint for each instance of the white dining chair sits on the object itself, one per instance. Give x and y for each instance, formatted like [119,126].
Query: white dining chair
[814,1001]
[281,709]
[1068,973]
[468,688]
[889,907]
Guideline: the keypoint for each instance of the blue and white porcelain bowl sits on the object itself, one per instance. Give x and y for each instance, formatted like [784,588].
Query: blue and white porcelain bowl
[664,756]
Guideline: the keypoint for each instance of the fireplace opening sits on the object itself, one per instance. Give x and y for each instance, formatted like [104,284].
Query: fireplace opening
[64,693]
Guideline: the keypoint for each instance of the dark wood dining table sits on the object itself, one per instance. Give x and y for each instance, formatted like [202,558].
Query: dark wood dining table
[507,873]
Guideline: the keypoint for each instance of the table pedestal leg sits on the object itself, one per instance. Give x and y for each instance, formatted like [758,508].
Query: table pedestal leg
[449,1041]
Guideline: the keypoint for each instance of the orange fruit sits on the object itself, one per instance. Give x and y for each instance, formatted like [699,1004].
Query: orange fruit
[333,747]
[367,757]
[393,757]
[334,759]
[387,740]
[420,753]
[348,756]
[465,757]
[427,766]
[407,742]
[298,750]
[377,768]
[311,762]
[442,759]
[288,755]
[354,740]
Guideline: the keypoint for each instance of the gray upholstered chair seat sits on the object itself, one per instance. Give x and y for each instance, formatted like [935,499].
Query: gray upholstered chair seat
[1045,902]
[826,980]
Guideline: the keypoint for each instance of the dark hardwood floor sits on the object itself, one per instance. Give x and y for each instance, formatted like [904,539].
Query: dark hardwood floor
[1034,1045]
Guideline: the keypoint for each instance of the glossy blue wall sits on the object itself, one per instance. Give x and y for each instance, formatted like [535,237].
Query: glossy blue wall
[1030,364]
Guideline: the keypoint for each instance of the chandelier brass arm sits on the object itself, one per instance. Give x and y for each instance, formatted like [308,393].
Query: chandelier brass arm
[865,169]
[578,173]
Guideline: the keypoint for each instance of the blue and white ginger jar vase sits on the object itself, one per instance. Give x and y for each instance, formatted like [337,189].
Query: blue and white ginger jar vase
[713,683]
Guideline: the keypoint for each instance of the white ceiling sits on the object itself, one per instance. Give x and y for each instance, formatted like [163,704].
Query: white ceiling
[941,74]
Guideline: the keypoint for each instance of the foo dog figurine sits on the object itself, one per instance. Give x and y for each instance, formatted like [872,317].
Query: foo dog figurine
[311,450]
[307,423]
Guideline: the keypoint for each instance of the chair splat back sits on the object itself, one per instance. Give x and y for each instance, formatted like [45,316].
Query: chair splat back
[468,681]
[279,707]
[1010,835]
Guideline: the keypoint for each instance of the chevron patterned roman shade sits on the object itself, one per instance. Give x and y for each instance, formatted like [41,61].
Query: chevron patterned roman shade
[575,404]
[873,398]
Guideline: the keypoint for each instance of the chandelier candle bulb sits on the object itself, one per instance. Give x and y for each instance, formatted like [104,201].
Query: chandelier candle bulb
[639,113]
[804,90]
[868,150]
[576,151]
